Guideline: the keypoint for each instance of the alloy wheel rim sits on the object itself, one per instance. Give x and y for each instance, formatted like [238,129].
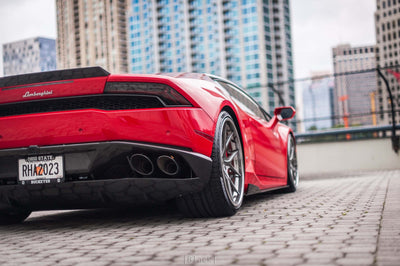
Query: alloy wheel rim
[232,163]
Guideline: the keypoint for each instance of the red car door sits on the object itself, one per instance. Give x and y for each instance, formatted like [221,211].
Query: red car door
[270,161]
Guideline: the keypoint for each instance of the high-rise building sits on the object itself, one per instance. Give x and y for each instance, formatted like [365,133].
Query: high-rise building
[353,90]
[318,107]
[92,33]
[387,28]
[246,41]
[27,56]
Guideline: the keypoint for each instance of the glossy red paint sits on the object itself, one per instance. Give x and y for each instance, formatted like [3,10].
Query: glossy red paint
[264,142]
[170,126]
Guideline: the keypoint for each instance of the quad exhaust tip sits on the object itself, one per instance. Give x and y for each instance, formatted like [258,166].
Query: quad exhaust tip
[142,164]
[168,165]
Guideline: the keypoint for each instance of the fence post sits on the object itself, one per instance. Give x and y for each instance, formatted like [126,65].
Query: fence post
[277,92]
[395,139]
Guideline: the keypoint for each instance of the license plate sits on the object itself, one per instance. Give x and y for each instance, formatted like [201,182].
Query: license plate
[41,169]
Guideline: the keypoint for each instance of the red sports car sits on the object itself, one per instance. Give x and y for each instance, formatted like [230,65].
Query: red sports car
[82,138]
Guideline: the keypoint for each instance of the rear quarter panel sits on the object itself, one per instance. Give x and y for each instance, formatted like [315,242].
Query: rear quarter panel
[213,100]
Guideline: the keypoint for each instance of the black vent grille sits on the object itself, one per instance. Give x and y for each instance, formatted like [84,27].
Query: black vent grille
[101,102]
[56,75]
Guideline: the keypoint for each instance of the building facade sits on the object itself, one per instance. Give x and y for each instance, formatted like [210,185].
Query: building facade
[318,106]
[353,90]
[246,41]
[387,28]
[27,56]
[92,33]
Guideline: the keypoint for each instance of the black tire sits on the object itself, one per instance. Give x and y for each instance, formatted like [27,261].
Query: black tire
[13,216]
[223,195]
[292,171]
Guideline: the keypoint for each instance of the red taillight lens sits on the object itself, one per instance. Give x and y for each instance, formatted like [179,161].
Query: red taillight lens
[165,93]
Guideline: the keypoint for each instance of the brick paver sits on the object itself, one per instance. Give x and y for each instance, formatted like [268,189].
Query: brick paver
[349,220]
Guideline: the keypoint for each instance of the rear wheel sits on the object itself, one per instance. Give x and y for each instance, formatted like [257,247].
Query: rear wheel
[13,216]
[292,172]
[223,195]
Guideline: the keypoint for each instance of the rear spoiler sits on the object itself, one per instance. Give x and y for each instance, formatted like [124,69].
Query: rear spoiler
[74,73]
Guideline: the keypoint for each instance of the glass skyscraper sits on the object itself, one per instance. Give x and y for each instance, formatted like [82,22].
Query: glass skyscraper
[318,107]
[245,41]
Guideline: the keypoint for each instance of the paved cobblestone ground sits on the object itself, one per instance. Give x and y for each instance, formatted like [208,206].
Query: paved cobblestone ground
[341,220]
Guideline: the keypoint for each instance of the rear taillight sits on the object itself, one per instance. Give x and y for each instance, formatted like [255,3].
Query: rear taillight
[163,92]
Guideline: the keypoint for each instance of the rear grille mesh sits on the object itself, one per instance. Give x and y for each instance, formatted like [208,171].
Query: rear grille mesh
[101,102]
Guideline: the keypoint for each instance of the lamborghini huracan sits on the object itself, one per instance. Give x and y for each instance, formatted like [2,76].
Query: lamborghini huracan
[85,138]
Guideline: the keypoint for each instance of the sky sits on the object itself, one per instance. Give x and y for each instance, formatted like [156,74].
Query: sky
[317,26]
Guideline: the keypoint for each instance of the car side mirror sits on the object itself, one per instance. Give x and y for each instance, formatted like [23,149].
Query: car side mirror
[284,113]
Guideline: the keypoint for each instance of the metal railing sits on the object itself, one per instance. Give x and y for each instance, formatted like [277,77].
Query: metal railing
[344,106]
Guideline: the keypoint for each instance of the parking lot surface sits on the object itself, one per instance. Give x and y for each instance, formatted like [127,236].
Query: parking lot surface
[348,219]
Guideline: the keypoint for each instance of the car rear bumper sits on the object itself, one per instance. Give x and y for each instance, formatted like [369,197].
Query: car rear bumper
[99,174]
[182,127]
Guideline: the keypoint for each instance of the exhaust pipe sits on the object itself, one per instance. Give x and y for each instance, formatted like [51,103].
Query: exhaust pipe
[141,164]
[167,165]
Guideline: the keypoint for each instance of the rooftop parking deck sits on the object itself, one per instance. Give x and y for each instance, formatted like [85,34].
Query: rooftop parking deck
[338,219]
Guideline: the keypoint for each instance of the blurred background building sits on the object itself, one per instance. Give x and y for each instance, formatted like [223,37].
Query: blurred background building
[387,28]
[31,55]
[352,93]
[318,102]
[246,41]
[92,33]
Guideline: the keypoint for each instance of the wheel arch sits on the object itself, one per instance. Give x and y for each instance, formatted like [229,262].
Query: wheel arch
[232,113]
[286,142]
[234,116]
[292,134]
[291,186]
